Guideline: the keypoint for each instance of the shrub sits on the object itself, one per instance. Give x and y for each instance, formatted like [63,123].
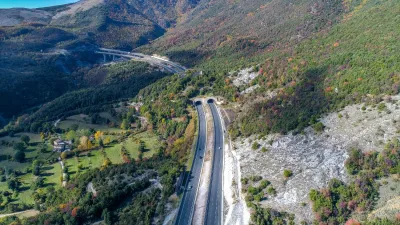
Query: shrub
[381,106]
[264,149]
[287,173]
[255,178]
[19,156]
[19,146]
[271,190]
[255,145]
[264,184]
[318,127]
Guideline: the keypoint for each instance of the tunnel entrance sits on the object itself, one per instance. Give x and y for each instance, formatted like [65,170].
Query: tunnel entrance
[210,100]
[198,103]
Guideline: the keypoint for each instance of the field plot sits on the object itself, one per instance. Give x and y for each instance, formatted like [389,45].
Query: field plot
[84,122]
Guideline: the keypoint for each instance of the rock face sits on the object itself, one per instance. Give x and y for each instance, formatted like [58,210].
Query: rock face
[316,158]
[12,17]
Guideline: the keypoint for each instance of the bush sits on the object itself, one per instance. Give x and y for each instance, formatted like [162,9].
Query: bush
[287,173]
[19,146]
[264,184]
[255,178]
[318,127]
[255,145]
[264,149]
[271,190]
[382,106]
[19,156]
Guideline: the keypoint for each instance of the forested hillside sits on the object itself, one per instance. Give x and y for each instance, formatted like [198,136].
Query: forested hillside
[277,66]
[223,33]
[51,46]
[354,61]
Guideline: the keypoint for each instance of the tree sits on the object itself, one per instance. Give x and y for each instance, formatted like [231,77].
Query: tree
[141,146]
[70,135]
[106,162]
[75,211]
[13,184]
[64,155]
[19,156]
[42,136]
[125,124]
[38,183]
[19,146]
[84,140]
[25,139]
[107,217]
[36,167]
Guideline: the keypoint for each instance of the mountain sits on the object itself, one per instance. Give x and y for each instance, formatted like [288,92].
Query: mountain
[53,43]
[234,29]
[308,91]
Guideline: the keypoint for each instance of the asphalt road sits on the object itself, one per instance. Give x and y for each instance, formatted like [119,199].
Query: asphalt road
[214,204]
[186,210]
[166,64]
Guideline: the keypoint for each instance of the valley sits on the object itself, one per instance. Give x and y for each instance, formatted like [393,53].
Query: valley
[200,112]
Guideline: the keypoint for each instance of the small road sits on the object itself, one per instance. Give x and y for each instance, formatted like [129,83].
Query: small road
[153,60]
[214,204]
[26,213]
[186,209]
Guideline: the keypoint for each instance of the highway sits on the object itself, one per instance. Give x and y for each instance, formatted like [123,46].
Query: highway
[186,209]
[153,60]
[214,203]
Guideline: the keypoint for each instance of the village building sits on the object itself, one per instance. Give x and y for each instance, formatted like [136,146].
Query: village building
[60,145]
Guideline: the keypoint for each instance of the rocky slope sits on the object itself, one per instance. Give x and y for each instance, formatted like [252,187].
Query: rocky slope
[315,158]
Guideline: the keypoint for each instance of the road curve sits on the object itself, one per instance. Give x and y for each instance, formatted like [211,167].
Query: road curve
[214,203]
[186,209]
[154,60]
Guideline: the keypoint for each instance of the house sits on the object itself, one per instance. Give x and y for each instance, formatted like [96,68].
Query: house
[136,106]
[61,145]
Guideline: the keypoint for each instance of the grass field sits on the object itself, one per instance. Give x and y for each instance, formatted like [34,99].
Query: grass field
[87,160]
[152,144]
[84,122]
[31,152]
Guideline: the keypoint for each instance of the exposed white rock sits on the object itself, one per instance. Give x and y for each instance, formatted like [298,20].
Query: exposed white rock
[316,158]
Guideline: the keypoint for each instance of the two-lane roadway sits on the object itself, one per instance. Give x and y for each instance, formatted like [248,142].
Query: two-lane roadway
[214,204]
[186,209]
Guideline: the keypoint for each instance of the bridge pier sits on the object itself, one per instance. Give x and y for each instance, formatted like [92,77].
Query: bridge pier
[105,57]
[113,57]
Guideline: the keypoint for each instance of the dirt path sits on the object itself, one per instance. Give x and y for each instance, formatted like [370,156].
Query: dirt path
[27,213]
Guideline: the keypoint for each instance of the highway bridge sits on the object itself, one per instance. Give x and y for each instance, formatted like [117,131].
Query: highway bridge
[152,60]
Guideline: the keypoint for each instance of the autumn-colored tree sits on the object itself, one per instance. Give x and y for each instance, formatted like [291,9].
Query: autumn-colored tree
[352,222]
[42,136]
[84,143]
[64,155]
[107,140]
[98,136]
[106,162]
[75,211]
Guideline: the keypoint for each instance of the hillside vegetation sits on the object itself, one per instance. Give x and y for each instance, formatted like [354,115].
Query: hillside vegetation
[349,63]
[225,33]
[33,44]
